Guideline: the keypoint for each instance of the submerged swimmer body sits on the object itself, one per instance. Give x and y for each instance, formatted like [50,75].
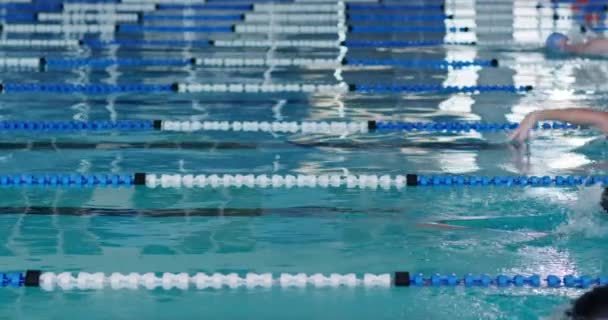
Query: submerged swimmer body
[560,43]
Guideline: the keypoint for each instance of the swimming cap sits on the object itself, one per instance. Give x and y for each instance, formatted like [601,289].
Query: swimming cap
[555,42]
[591,305]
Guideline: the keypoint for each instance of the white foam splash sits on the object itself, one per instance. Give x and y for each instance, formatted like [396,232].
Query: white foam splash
[586,215]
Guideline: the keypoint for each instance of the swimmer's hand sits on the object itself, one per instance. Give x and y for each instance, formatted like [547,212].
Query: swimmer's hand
[522,133]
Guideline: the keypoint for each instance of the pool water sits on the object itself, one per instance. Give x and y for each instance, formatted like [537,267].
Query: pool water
[496,230]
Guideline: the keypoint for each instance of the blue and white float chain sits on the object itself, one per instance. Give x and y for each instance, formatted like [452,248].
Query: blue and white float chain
[305,127]
[90,281]
[246,29]
[313,88]
[317,63]
[252,181]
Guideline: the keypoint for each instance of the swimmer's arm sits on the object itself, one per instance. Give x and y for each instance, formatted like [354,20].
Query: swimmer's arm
[578,116]
[593,46]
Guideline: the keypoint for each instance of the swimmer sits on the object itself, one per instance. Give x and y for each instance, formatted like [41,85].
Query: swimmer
[592,305]
[560,43]
[579,116]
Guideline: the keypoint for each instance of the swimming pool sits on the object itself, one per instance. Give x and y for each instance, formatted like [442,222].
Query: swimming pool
[395,70]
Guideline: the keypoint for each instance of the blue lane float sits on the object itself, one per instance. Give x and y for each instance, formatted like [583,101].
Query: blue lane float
[457,126]
[501,281]
[18,17]
[12,279]
[30,7]
[505,181]
[130,125]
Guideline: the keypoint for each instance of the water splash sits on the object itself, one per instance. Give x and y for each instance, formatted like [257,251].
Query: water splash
[586,216]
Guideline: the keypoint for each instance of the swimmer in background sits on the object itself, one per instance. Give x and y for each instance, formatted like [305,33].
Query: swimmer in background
[557,43]
[560,43]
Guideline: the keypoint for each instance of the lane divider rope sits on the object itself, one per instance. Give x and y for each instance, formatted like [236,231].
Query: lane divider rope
[264,7]
[40,43]
[326,17]
[49,63]
[258,88]
[148,7]
[192,17]
[140,17]
[246,29]
[313,127]
[86,17]
[350,181]
[58,28]
[108,7]
[341,127]
[299,29]
[332,7]
[441,7]
[351,44]
[50,281]
[299,7]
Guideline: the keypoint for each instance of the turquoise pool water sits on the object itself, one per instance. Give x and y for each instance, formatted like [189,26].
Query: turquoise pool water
[430,230]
